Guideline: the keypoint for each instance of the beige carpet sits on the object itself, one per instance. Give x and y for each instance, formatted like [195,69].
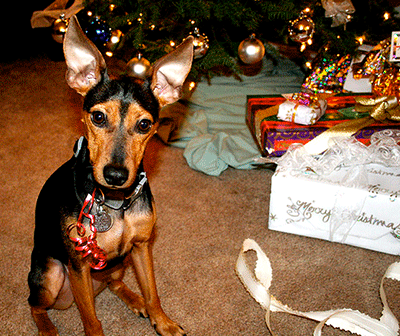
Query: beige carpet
[202,223]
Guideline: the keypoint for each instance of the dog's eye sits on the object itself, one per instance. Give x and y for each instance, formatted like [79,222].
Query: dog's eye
[98,118]
[144,125]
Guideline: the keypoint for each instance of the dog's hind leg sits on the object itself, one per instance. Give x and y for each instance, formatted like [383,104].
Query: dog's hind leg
[48,284]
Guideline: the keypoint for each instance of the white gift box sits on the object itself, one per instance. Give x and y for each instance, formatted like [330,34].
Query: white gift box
[349,202]
[302,114]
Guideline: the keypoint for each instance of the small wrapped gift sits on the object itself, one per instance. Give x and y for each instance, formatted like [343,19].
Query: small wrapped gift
[302,108]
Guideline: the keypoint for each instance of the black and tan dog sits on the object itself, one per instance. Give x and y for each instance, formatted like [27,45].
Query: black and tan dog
[95,214]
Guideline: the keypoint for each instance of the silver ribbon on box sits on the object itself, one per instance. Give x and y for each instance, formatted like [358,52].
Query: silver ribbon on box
[384,149]
[343,153]
[258,283]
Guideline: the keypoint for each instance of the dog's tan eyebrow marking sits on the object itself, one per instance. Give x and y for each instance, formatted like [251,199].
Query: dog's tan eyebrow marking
[111,110]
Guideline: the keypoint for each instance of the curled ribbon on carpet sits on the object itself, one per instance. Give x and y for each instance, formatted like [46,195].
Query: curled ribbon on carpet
[258,283]
[380,109]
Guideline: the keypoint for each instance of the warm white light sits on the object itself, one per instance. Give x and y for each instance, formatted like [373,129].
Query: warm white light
[192,86]
[386,16]
[139,69]
[252,50]
[114,39]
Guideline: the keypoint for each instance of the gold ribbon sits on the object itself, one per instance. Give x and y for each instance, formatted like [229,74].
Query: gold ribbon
[380,109]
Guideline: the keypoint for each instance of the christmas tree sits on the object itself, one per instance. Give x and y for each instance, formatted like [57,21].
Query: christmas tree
[153,28]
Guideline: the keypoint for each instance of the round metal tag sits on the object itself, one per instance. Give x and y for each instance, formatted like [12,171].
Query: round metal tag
[102,221]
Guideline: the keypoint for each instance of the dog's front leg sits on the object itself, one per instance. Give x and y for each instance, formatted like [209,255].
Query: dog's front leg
[82,288]
[143,263]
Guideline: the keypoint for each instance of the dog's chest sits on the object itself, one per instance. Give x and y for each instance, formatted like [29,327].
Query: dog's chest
[127,229]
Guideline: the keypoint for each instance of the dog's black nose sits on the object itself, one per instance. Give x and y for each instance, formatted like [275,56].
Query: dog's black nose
[115,176]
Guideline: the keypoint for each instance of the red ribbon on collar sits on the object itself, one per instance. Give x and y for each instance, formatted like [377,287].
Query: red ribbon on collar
[87,245]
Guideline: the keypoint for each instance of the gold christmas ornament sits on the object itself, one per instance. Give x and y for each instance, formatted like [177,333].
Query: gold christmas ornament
[301,30]
[138,67]
[200,44]
[59,28]
[114,40]
[251,50]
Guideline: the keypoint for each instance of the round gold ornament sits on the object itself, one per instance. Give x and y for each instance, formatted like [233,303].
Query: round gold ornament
[138,67]
[251,50]
[301,30]
[59,28]
[200,44]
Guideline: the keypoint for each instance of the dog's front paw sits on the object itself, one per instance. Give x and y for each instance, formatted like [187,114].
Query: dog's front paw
[166,327]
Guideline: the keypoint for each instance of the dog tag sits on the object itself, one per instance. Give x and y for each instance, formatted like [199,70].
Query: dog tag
[102,220]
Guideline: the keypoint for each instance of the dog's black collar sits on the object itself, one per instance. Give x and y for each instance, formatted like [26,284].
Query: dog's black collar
[84,182]
[122,203]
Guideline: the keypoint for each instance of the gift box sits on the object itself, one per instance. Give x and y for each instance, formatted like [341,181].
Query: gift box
[302,108]
[274,136]
[348,196]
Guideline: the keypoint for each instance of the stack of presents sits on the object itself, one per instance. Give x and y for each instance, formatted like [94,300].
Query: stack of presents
[336,144]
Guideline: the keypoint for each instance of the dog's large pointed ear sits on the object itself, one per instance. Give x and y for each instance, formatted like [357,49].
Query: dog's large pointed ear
[170,72]
[84,61]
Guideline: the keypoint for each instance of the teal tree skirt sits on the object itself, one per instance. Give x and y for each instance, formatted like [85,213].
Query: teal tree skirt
[211,126]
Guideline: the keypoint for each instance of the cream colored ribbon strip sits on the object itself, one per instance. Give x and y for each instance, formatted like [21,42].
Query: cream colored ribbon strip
[258,285]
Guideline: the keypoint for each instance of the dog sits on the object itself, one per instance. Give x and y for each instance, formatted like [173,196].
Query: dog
[95,215]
